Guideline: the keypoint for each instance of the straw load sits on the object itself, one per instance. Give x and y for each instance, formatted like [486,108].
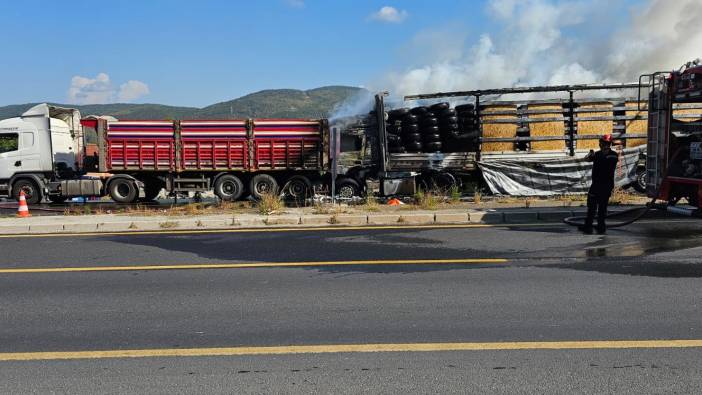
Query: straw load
[636,126]
[685,110]
[499,112]
[599,127]
[547,128]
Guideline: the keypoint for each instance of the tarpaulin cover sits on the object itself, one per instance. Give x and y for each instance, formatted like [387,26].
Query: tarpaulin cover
[546,176]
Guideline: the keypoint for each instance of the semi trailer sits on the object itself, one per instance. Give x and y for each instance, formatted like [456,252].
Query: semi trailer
[46,157]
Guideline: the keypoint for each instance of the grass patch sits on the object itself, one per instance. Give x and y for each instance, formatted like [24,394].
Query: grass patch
[371,204]
[426,200]
[477,197]
[270,203]
[455,194]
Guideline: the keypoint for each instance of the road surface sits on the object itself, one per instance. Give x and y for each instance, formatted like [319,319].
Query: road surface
[482,309]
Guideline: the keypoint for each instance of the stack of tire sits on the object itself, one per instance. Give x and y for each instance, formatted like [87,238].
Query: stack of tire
[424,135]
[411,137]
[395,128]
[466,138]
[448,125]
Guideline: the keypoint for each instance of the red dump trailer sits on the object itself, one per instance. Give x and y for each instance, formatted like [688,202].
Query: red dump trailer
[136,159]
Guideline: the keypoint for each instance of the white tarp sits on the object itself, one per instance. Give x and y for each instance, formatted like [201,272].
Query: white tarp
[546,176]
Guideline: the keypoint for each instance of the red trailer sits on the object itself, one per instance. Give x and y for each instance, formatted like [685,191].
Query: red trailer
[233,157]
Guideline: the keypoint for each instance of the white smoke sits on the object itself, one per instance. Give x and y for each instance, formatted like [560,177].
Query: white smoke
[100,90]
[547,42]
[360,103]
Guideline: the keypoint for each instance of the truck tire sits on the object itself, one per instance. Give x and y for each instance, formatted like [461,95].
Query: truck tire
[32,194]
[432,147]
[262,184]
[410,119]
[465,108]
[413,146]
[348,188]
[409,137]
[429,138]
[438,107]
[449,126]
[297,187]
[229,188]
[640,183]
[410,128]
[398,113]
[429,122]
[123,190]
[430,130]
[419,111]
[449,112]
[448,120]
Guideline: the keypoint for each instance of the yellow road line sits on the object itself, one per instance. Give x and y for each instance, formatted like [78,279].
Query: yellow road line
[350,348]
[247,230]
[258,265]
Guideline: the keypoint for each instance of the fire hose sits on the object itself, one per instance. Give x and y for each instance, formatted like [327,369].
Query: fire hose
[580,220]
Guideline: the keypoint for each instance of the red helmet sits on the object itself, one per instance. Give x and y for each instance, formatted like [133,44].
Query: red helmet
[607,138]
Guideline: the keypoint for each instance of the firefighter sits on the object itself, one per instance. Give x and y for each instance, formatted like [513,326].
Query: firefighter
[603,167]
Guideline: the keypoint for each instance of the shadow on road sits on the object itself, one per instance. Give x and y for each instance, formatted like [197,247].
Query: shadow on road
[650,269]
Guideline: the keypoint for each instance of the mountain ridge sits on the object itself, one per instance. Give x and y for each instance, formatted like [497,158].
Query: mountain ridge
[270,103]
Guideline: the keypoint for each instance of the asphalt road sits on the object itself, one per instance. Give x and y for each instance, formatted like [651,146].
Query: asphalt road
[578,295]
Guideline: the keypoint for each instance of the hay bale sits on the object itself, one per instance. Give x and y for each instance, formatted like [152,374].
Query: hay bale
[638,126]
[594,109]
[687,111]
[550,128]
[499,129]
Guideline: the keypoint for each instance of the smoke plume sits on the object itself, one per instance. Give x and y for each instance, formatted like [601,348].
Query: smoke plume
[545,42]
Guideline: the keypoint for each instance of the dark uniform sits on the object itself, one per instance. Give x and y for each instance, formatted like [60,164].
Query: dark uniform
[603,167]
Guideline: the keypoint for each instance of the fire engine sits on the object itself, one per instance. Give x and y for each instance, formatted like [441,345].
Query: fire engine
[674,150]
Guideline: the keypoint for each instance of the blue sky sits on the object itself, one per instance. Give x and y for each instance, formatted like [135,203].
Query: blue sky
[196,53]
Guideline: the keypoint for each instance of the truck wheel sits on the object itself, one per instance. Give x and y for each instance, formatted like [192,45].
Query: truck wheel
[123,190]
[298,187]
[229,188]
[32,194]
[151,190]
[262,184]
[640,183]
[348,188]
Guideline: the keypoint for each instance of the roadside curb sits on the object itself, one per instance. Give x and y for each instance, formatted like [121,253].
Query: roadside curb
[119,224]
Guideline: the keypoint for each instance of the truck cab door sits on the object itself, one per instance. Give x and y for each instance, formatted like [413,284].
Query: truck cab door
[10,157]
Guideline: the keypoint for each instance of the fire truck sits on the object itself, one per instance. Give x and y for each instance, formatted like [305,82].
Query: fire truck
[674,150]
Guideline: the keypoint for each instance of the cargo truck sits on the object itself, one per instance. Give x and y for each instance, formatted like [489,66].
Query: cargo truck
[47,157]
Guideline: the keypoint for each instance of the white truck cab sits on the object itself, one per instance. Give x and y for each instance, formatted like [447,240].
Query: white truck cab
[35,147]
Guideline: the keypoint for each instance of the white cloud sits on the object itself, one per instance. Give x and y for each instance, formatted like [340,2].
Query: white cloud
[132,90]
[85,90]
[389,14]
[295,3]
[100,90]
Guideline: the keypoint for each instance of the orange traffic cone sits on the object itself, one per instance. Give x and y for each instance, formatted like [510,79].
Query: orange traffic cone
[23,209]
[394,202]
